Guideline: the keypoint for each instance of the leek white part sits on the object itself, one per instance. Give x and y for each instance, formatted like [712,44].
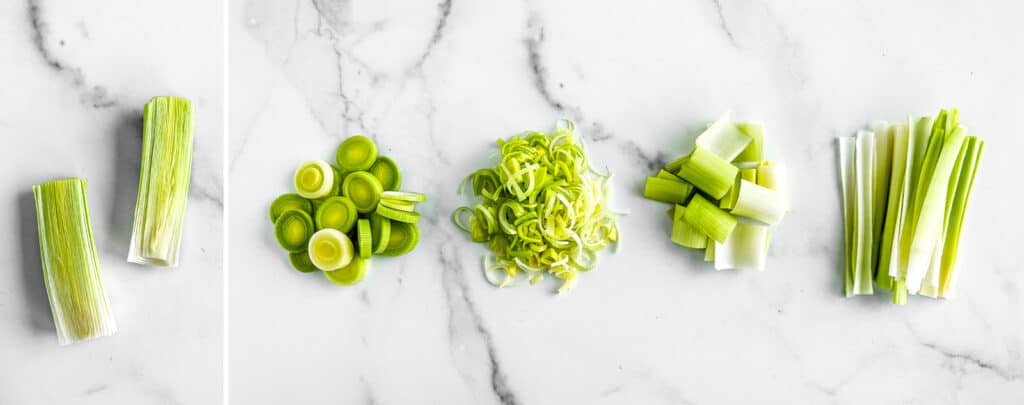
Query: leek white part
[723,139]
[167,135]
[759,203]
[746,248]
[864,162]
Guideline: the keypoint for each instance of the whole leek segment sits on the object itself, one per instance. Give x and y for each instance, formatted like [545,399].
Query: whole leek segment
[542,210]
[726,194]
[71,269]
[905,195]
[163,182]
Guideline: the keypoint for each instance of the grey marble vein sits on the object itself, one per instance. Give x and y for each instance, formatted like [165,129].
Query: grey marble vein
[444,10]
[722,23]
[95,96]
[464,317]
[958,360]
[650,162]
[534,40]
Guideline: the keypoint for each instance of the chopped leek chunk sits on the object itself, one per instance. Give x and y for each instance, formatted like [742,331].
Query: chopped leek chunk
[709,172]
[685,235]
[723,139]
[666,190]
[745,249]
[709,219]
[71,269]
[754,152]
[759,203]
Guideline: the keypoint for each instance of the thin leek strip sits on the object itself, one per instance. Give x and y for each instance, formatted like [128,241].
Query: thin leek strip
[70,263]
[364,237]
[893,213]
[167,135]
[363,189]
[754,152]
[746,248]
[293,230]
[288,202]
[330,250]
[385,170]
[847,149]
[337,213]
[930,216]
[402,239]
[965,182]
[685,235]
[709,172]
[314,179]
[759,203]
[723,139]
[665,190]
[709,219]
[864,163]
[356,153]
[351,274]
[930,283]
[881,174]
[300,261]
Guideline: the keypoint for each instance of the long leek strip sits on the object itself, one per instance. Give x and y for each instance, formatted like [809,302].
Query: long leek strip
[745,249]
[929,218]
[685,235]
[709,172]
[665,190]
[893,211]
[706,217]
[930,283]
[754,152]
[880,192]
[723,139]
[71,268]
[925,166]
[847,147]
[917,143]
[972,158]
[759,203]
[865,163]
[163,181]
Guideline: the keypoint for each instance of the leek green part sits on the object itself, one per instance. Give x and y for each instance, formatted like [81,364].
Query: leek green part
[293,230]
[351,274]
[964,184]
[754,152]
[300,261]
[674,191]
[706,217]
[288,202]
[356,153]
[685,235]
[708,172]
[166,165]
[363,189]
[364,237]
[403,239]
[397,215]
[385,170]
[337,213]
[380,229]
[71,269]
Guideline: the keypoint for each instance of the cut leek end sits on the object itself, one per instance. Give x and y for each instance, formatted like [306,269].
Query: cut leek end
[70,263]
[329,250]
[356,153]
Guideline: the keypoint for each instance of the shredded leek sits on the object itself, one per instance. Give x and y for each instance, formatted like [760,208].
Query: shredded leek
[905,195]
[542,210]
[71,269]
[167,135]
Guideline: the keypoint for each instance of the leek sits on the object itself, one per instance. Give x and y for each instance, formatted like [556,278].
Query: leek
[386,171]
[709,219]
[759,203]
[293,230]
[288,202]
[746,248]
[964,183]
[364,237]
[356,153]
[330,250]
[724,139]
[314,179]
[336,213]
[685,235]
[754,152]
[708,172]
[402,239]
[351,274]
[167,134]
[666,190]
[300,261]
[363,189]
[380,230]
[70,263]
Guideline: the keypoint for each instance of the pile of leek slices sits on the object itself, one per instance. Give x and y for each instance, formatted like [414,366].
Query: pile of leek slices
[725,195]
[339,216]
[905,190]
[542,210]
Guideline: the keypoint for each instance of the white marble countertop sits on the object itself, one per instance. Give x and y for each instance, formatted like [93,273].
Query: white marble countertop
[436,84]
[74,78]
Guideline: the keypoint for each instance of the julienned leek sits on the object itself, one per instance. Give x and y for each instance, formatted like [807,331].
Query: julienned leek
[167,136]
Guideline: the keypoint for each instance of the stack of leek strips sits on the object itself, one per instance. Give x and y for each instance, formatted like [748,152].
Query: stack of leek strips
[340,215]
[541,210]
[905,190]
[163,182]
[71,269]
[726,195]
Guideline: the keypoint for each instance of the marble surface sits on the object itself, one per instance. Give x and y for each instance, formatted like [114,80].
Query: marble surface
[74,78]
[436,83]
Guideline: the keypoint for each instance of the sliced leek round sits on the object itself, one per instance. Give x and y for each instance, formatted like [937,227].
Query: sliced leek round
[403,196]
[398,204]
[365,238]
[330,250]
[385,170]
[363,189]
[356,153]
[397,215]
[293,230]
[336,213]
[380,228]
[404,237]
[300,261]
[351,274]
[314,179]
[288,202]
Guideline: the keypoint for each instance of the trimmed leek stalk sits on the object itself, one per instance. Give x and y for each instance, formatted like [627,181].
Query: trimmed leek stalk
[71,268]
[163,182]
[685,235]
[314,179]
[709,219]
[964,183]
[759,203]
[745,249]
[708,172]
[723,139]
[667,190]
[330,250]
[754,152]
